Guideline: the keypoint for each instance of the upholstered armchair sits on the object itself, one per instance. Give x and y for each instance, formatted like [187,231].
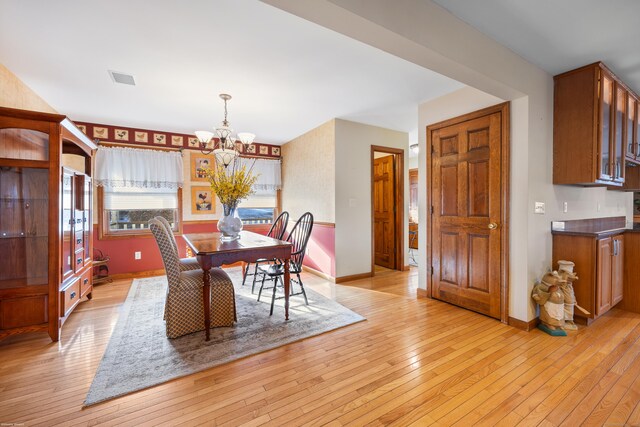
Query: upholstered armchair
[184,311]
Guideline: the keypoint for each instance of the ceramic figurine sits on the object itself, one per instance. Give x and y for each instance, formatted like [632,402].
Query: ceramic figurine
[549,296]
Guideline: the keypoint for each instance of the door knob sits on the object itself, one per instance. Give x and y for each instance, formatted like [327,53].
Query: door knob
[492,226]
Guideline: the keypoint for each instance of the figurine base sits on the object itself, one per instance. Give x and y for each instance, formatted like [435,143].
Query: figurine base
[552,332]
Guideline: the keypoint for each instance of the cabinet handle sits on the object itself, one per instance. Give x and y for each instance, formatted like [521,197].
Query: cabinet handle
[78,241]
[72,296]
[86,281]
[79,261]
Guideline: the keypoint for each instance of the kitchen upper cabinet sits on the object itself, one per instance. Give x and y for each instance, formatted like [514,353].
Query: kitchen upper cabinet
[590,133]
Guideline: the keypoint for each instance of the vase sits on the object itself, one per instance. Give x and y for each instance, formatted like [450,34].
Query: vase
[230,225]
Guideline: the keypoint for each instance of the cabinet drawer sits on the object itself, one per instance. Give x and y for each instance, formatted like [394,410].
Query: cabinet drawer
[69,297]
[78,260]
[78,220]
[85,282]
[79,240]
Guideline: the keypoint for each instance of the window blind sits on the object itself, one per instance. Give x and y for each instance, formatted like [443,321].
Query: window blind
[132,199]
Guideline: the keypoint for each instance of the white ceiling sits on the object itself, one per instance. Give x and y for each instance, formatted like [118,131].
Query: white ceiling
[286,75]
[560,35]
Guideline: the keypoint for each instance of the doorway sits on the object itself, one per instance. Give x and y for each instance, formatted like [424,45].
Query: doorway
[468,207]
[387,208]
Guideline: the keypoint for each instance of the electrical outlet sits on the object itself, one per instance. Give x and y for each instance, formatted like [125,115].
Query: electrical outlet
[138,255]
[565,207]
[538,208]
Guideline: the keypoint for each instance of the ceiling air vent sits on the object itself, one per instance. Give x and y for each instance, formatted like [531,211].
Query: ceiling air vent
[125,79]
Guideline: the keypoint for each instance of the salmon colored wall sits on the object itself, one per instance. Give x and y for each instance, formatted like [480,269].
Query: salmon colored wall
[321,249]
[122,251]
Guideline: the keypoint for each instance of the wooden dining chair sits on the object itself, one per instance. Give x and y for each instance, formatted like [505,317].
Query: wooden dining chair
[299,237]
[184,308]
[276,231]
[185,263]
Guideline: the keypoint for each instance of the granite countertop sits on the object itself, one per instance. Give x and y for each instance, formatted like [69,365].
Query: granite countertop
[596,231]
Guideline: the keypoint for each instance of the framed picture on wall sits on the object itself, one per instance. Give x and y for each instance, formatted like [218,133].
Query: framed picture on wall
[202,200]
[199,164]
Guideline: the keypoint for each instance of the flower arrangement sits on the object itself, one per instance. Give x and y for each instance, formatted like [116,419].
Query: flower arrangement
[231,184]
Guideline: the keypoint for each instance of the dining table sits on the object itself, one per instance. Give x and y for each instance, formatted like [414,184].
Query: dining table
[211,252]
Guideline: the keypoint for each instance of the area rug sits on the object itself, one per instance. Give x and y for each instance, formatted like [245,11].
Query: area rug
[139,355]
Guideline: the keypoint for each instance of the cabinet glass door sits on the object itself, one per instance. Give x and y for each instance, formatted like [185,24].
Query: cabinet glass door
[606,100]
[630,137]
[87,217]
[620,114]
[24,227]
[67,226]
[637,131]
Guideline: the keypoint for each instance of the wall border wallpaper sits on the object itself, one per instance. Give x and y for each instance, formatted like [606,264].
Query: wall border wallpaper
[156,138]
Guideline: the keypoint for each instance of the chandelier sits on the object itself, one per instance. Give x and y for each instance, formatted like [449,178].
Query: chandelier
[224,149]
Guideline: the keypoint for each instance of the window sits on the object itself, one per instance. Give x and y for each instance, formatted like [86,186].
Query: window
[135,185]
[260,207]
[128,210]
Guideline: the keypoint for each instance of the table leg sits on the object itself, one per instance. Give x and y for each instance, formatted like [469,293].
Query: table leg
[287,288]
[206,301]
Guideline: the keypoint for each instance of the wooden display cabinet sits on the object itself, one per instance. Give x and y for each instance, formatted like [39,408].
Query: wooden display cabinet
[590,127]
[38,215]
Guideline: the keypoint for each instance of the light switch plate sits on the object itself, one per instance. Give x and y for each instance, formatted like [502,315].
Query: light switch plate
[538,208]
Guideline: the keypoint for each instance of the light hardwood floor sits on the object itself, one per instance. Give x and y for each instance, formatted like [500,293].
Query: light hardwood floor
[413,361]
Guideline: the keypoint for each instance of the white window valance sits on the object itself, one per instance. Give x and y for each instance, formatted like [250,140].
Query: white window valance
[121,167]
[269,174]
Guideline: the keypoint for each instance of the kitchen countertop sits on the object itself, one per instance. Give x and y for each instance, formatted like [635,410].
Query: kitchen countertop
[597,231]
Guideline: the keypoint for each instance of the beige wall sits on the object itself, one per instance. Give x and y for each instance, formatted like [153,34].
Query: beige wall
[309,174]
[15,94]
[353,192]
[426,34]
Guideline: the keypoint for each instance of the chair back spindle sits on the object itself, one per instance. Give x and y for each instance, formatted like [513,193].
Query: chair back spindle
[299,237]
[279,226]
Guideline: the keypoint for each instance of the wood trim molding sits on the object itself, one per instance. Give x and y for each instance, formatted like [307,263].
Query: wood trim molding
[137,274]
[325,224]
[521,324]
[315,223]
[319,273]
[352,277]
[399,203]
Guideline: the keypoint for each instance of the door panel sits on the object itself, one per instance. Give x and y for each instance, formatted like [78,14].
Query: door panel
[617,271]
[603,297]
[384,211]
[466,195]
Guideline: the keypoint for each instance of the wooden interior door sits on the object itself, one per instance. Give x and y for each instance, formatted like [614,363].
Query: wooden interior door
[467,212]
[384,212]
